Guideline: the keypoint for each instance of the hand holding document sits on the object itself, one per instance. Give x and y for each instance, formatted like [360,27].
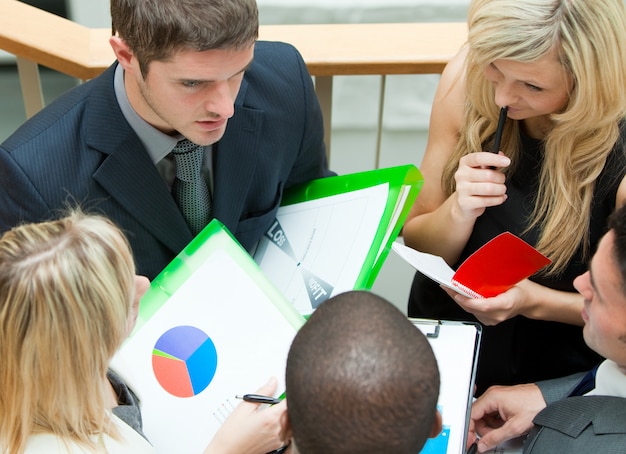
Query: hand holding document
[210,327]
[494,268]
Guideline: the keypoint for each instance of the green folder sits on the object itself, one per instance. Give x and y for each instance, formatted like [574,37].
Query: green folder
[210,327]
[399,188]
[215,236]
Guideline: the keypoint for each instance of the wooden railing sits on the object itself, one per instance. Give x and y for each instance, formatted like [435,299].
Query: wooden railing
[37,37]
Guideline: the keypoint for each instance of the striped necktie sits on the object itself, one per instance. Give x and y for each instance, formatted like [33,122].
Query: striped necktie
[190,189]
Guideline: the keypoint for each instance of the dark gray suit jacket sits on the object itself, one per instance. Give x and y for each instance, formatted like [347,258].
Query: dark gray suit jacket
[81,150]
[577,425]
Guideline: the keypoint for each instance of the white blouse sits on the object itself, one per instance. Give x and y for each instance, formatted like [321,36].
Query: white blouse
[130,442]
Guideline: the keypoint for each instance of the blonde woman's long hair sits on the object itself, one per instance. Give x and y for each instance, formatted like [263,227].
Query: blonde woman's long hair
[66,289]
[589,38]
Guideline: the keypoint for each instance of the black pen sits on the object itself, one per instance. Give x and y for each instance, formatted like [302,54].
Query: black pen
[473,449]
[280,450]
[500,128]
[259,399]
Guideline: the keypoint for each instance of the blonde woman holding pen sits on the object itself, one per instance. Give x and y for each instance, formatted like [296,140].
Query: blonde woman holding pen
[559,66]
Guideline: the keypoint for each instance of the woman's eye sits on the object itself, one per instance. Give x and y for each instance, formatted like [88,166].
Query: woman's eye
[533,87]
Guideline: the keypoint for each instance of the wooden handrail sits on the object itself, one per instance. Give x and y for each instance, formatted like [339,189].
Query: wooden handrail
[328,49]
[37,37]
[52,41]
[358,49]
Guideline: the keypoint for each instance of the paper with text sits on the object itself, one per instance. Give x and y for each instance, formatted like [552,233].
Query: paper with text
[316,249]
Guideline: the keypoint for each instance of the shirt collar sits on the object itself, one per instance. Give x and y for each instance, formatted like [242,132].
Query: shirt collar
[157,143]
[610,380]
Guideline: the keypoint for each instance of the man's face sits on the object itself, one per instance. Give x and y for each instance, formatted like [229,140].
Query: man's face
[604,312]
[192,93]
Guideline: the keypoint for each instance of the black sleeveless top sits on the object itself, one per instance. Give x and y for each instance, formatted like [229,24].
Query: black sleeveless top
[521,350]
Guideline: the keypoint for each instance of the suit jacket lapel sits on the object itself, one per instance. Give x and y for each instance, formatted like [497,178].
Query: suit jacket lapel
[128,174]
[131,178]
[234,158]
[572,415]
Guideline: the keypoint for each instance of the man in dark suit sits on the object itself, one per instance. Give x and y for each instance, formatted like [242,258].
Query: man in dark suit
[581,413]
[185,69]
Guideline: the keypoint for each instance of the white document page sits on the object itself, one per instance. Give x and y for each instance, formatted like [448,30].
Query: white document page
[221,316]
[316,249]
[430,265]
[454,346]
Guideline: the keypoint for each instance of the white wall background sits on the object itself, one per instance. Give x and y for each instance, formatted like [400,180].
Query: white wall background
[355,98]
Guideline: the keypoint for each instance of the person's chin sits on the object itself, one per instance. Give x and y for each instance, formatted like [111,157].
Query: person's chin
[588,338]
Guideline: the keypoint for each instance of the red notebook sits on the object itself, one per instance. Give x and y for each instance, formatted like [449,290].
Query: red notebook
[494,268]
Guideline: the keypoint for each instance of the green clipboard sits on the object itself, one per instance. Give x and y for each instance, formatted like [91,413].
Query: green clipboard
[215,236]
[403,185]
[210,327]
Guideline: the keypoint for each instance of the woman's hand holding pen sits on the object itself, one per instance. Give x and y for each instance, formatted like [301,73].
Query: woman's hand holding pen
[257,432]
[477,185]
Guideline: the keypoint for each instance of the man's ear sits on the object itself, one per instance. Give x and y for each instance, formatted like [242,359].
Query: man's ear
[437,425]
[122,52]
[287,432]
[286,425]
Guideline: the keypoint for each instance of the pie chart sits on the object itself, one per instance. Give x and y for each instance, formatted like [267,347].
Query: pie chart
[184,361]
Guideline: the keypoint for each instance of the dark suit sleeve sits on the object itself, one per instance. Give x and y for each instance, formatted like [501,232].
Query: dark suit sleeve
[579,425]
[558,388]
[19,200]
